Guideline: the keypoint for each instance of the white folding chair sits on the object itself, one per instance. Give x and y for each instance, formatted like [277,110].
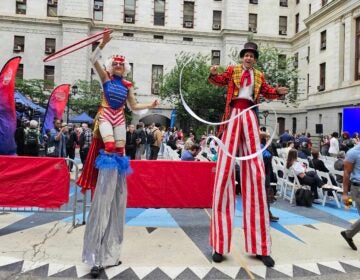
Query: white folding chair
[329,187]
[290,186]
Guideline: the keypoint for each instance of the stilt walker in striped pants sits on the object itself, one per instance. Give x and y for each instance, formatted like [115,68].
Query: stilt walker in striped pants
[105,226]
[241,136]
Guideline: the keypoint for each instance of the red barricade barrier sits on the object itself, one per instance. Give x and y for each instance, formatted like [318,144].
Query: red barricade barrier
[170,184]
[33,182]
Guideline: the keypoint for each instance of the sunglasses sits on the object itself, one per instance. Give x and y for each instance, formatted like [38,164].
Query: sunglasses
[117,64]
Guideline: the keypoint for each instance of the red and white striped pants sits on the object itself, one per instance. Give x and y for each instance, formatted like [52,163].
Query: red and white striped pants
[242,134]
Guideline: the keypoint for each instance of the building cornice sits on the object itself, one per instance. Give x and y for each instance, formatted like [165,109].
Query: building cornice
[161,31]
[32,20]
[324,11]
[303,34]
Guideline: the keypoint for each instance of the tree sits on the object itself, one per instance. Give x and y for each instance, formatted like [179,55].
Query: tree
[278,70]
[88,98]
[204,99]
[34,90]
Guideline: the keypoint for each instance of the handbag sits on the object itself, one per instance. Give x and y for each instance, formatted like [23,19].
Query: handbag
[303,197]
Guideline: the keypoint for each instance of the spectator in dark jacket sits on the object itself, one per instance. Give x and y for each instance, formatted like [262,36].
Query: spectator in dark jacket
[130,146]
[140,140]
[318,164]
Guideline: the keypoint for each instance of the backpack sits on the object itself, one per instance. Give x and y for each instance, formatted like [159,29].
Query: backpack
[31,137]
[151,138]
[303,197]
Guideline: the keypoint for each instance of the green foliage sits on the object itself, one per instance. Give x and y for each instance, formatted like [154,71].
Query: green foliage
[206,100]
[277,71]
[34,90]
[88,98]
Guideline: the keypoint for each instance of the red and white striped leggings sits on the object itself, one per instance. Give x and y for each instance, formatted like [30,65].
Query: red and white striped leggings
[242,134]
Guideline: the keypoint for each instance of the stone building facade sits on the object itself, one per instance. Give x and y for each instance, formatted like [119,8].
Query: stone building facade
[322,35]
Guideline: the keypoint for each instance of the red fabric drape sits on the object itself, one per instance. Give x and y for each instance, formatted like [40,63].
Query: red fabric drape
[170,184]
[33,181]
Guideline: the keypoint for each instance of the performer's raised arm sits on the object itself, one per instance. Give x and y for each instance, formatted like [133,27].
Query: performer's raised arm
[97,55]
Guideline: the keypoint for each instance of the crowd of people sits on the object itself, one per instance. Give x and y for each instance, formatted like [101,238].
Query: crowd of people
[142,141]
[60,141]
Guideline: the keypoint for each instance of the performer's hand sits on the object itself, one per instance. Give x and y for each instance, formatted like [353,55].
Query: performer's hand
[213,69]
[282,90]
[106,38]
[155,103]
[345,198]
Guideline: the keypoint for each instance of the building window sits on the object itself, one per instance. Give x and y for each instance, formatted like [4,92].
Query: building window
[127,34]
[282,61]
[283,3]
[215,57]
[157,74]
[282,25]
[98,10]
[357,50]
[49,76]
[297,2]
[308,83]
[50,45]
[323,40]
[129,11]
[324,2]
[297,21]
[21,7]
[293,125]
[19,43]
[253,23]
[159,12]
[159,37]
[253,1]
[340,122]
[321,87]
[187,39]
[309,9]
[188,14]
[20,72]
[308,54]
[130,75]
[296,60]
[94,45]
[52,6]
[216,20]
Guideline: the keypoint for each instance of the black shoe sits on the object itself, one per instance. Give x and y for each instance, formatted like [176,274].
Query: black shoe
[113,265]
[274,218]
[95,271]
[349,241]
[217,257]
[267,260]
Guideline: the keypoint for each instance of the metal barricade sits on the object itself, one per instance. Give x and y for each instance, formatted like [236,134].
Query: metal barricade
[55,210]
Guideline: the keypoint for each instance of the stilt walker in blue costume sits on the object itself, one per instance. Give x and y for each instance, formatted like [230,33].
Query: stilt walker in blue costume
[105,226]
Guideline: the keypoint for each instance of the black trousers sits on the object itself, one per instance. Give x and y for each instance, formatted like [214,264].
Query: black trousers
[154,150]
[71,154]
[312,179]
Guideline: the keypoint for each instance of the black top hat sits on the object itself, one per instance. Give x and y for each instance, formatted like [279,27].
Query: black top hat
[250,47]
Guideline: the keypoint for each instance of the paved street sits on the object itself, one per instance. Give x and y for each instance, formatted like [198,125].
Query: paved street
[173,244]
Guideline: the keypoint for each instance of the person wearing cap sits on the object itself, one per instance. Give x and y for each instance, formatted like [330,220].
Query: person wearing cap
[104,230]
[352,178]
[245,84]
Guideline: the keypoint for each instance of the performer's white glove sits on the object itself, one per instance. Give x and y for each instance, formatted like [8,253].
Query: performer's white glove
[96,55]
